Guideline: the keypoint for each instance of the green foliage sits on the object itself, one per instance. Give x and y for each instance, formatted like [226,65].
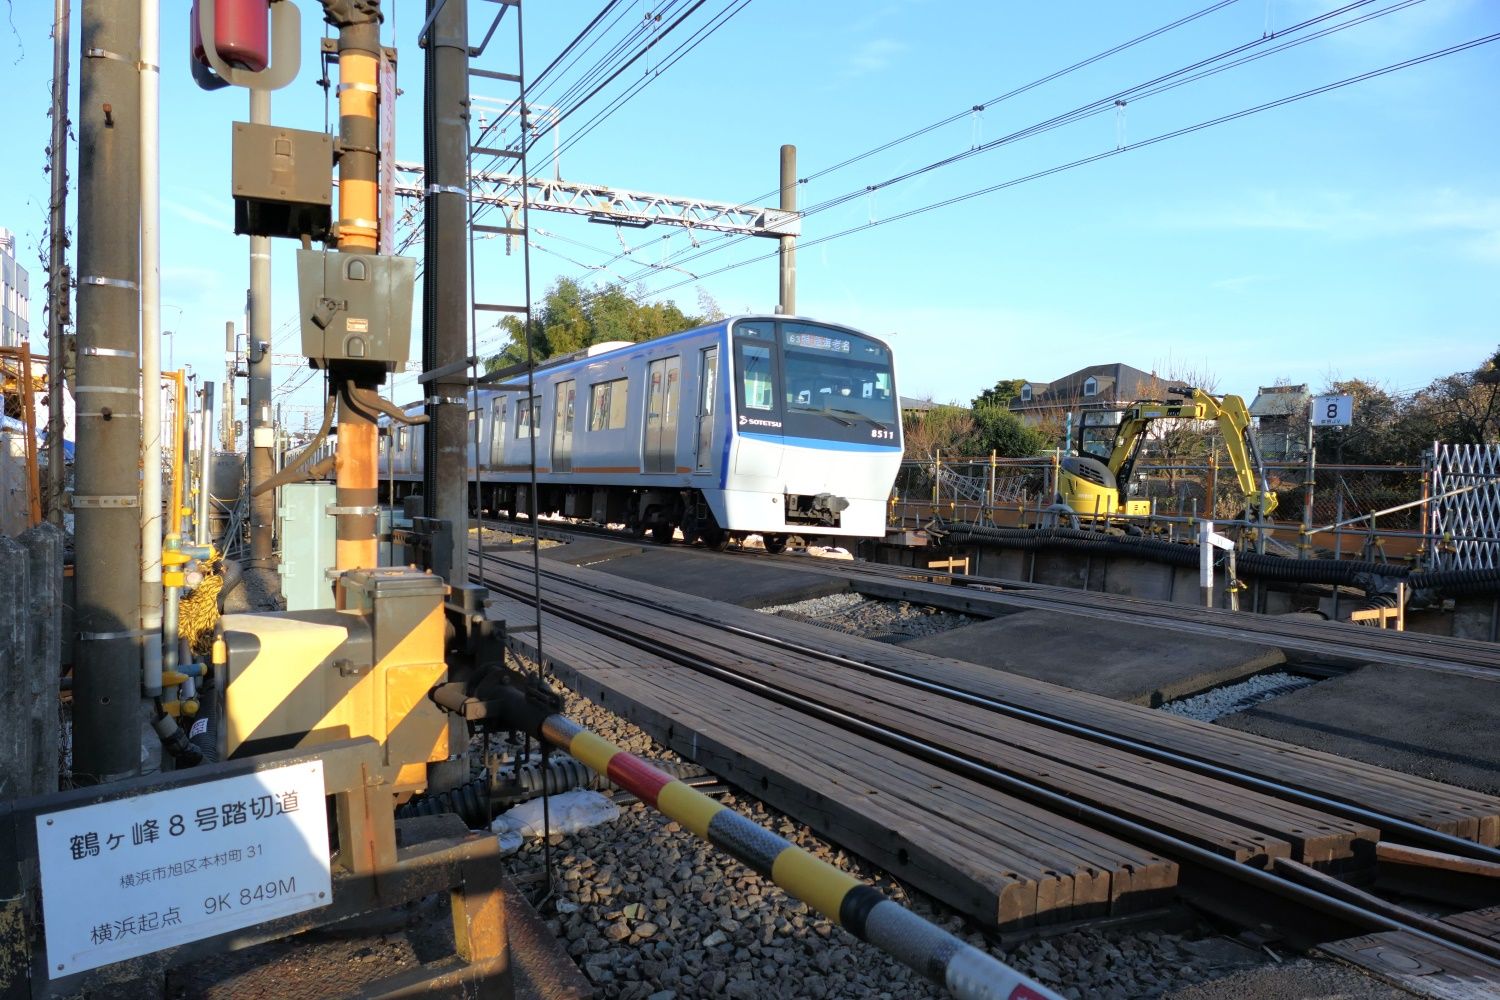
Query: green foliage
[1392,429]
[943,428]
[572,318]
[1000,394]
[962,433]
[1002,432]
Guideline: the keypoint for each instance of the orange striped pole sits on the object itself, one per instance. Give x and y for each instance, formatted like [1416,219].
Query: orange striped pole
[862,910]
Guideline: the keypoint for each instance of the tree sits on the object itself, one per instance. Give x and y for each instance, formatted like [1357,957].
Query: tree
[998,430]
[1000,394]
[1462,408]
[572,318]
[945,428]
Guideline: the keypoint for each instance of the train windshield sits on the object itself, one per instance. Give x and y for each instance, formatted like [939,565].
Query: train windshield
[813,381]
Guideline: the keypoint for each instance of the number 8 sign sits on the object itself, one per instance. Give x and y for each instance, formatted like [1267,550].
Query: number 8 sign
[1332,411]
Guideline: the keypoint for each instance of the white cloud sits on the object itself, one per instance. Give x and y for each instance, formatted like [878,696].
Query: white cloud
[1238,283]
[1472,220]
[874,56]
[198,217]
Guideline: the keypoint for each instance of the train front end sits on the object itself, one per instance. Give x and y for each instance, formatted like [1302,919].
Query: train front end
[816,441]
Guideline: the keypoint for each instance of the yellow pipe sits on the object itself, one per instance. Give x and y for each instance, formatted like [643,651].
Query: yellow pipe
[179,422]
[359,198]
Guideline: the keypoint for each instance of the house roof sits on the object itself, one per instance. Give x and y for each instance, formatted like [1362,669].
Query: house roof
[1116,383]
[1280,401]
[912,403]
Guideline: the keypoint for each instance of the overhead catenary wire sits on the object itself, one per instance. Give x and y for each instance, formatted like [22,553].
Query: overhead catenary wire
[604,66]
[1156,85]
[1017,91]
[672,58]
[1115,151]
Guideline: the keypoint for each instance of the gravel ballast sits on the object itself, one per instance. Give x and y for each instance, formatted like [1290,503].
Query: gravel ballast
[1231,698]
[652,913]
[871,617]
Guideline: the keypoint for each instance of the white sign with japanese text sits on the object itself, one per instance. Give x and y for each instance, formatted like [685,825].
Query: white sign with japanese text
[128,877]
[1332,411]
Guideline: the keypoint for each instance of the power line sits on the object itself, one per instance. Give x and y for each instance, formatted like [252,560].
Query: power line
[1083,161]
[1024,88]
[1140,91]
[676,55]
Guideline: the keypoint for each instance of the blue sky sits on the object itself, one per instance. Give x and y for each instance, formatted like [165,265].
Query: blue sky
[1355,233]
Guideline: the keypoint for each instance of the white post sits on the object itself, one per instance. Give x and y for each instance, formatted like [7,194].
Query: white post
[151,500]
[1206,562]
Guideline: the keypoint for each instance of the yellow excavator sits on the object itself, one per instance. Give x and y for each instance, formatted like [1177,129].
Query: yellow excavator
[1093,482]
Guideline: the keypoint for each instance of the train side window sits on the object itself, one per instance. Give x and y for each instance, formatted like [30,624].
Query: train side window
[756,376]
[526,417]
[608,407]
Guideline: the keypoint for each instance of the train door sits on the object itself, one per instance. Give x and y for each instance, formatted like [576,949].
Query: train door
[562,428]
[708,389]
[659,449]
[497,431]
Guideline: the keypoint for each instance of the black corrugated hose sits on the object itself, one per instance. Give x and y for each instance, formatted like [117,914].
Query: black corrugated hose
[475,800]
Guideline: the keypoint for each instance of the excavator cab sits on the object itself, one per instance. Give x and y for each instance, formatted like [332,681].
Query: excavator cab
[1097,430]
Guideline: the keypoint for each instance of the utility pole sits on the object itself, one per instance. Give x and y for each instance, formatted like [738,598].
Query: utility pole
[261,432]
[226,408]
[788,244]
[57,268]
[445,292]
[356,476]
[151,444]
[107,683]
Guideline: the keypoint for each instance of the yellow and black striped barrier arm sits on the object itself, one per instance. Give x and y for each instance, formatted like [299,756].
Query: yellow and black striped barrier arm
[862,910]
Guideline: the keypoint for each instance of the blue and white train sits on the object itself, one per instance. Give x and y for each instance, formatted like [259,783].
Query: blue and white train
[770,425]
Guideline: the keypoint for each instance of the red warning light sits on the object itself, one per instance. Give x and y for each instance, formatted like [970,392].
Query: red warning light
[242,33]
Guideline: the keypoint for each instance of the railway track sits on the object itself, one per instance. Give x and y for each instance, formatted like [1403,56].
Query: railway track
[733,654]
[1329,642]
[1338,640]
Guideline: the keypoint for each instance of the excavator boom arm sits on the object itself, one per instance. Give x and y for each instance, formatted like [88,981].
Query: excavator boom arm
[1233,418]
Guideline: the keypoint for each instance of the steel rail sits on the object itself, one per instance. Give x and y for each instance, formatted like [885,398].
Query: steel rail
[1369,921]
[1366,640]
[1423,836]
[1184,618]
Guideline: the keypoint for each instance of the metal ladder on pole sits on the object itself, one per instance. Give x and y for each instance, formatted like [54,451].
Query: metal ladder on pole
[489,143]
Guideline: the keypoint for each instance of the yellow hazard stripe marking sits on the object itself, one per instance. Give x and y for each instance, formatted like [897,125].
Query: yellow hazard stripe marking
[816,883]
[688,806]
[593,751]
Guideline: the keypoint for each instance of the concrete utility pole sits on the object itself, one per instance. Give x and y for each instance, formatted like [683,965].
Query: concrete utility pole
[57,268]
[151,443]
[106,688]
[445,292]
[788,256]
[261,434]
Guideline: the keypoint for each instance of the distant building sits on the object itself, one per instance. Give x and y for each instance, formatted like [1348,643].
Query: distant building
[1097,387]
[1280,414]
[15,294]
[910,404]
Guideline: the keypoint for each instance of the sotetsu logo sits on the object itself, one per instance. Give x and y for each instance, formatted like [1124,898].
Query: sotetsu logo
[757,422]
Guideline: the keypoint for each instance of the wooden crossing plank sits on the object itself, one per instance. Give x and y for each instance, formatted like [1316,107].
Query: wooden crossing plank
[1485,923]
[852,791]
[1442,807]
[1244,825]
[1418,965]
